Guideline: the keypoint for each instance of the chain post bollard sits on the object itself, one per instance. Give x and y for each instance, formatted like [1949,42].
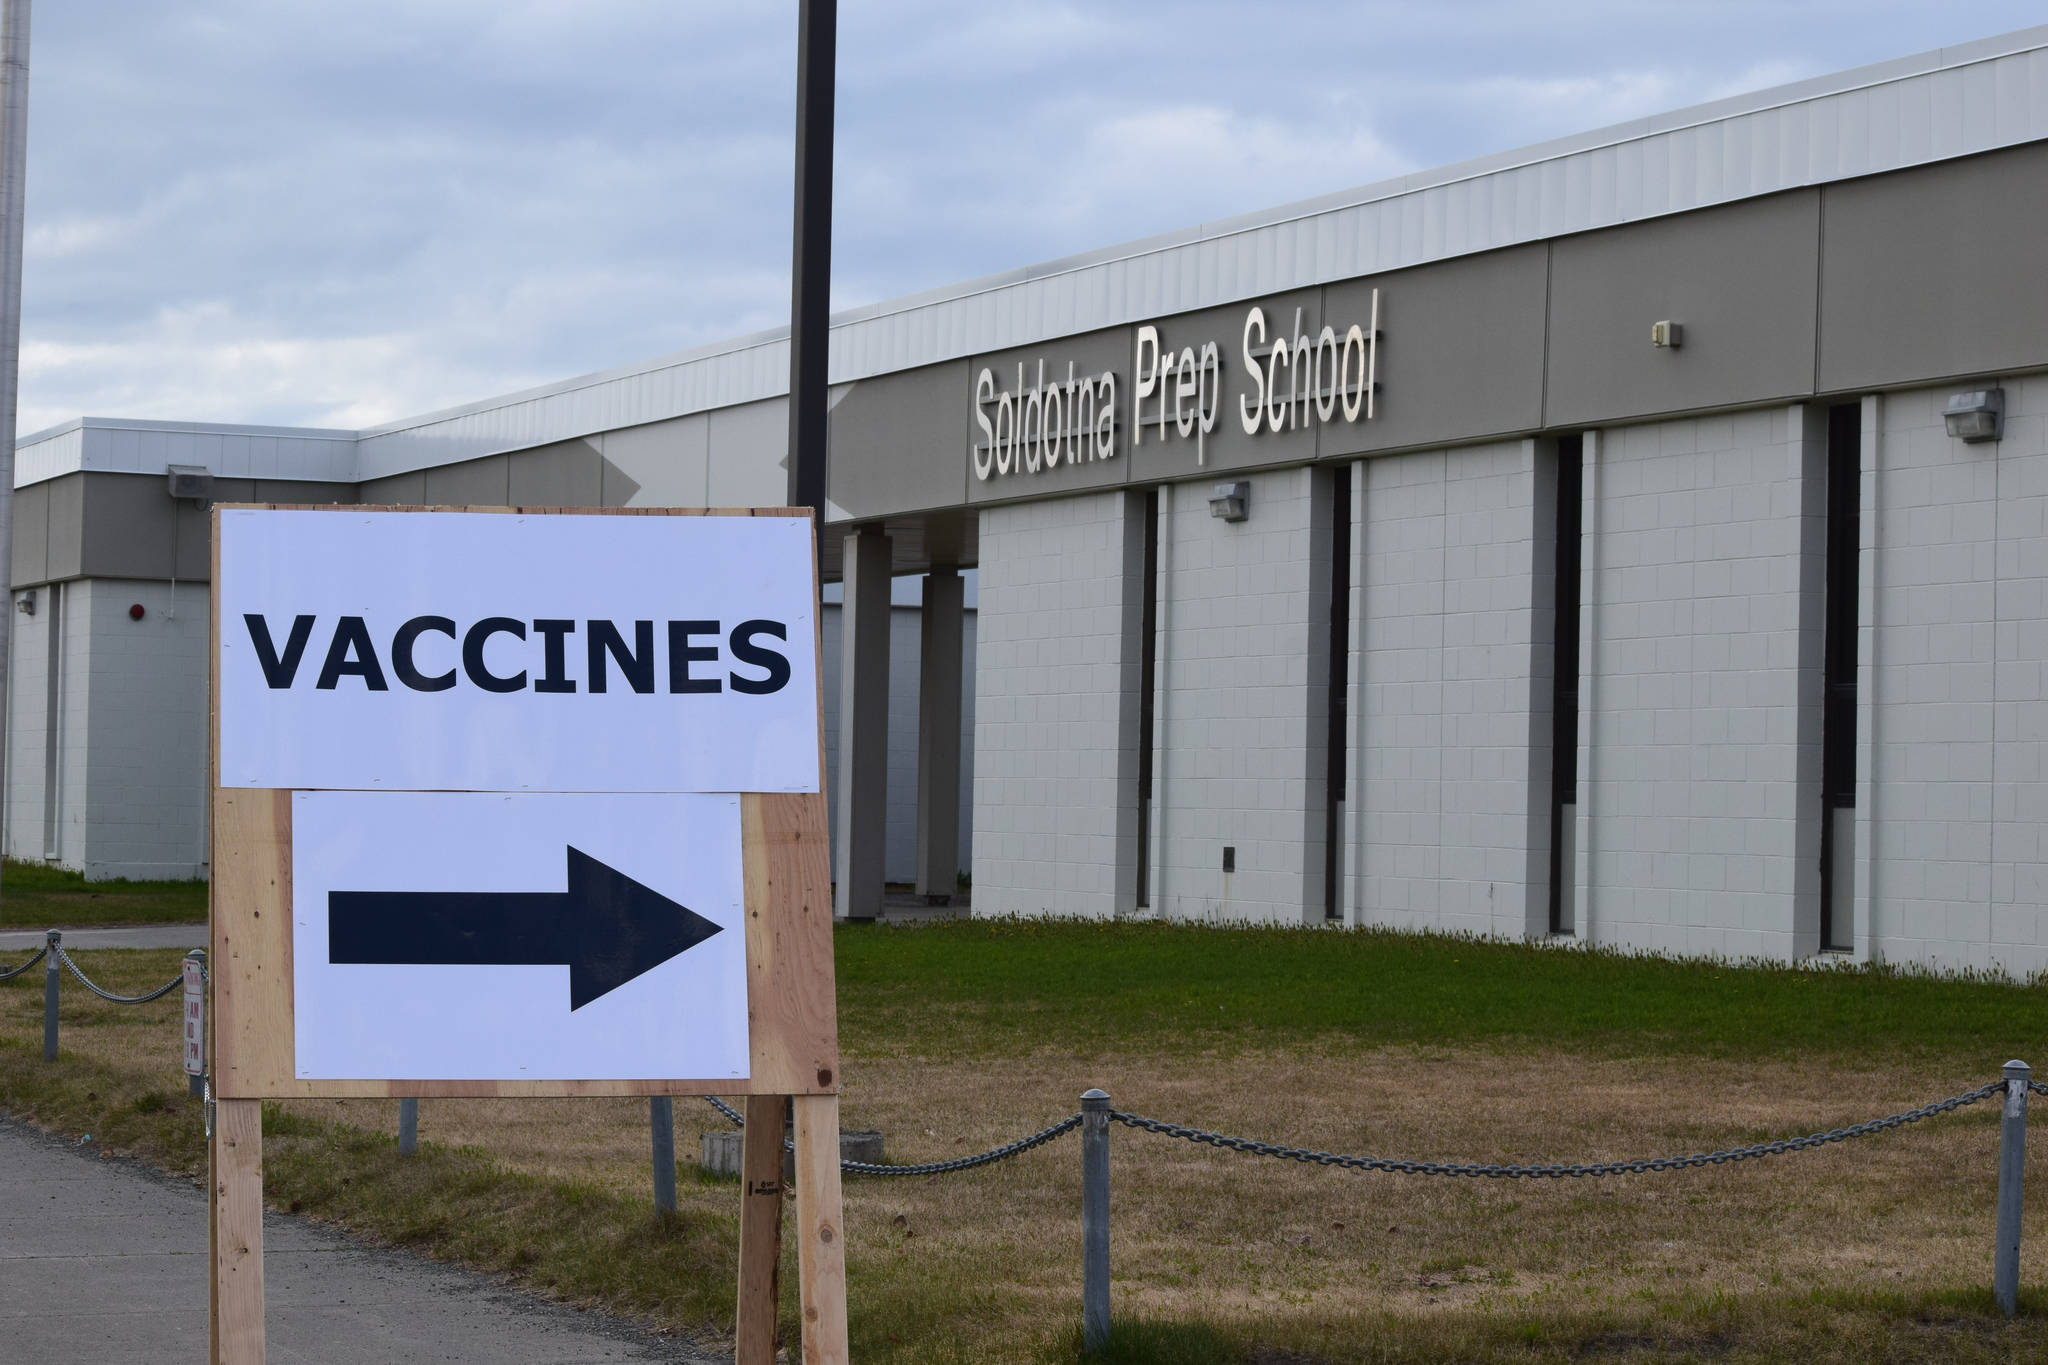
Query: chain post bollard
[661,1129]
[2012,1161]
[52,977]
[408,1126]
[1094,1221]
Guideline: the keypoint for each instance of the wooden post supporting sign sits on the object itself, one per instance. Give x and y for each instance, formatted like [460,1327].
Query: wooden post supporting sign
[523,802]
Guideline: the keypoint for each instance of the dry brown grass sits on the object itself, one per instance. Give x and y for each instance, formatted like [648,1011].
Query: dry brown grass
[983,1266]
[1201,1233]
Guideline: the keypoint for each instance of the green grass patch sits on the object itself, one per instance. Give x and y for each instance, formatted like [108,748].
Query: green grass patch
[33,896]
[1004,986]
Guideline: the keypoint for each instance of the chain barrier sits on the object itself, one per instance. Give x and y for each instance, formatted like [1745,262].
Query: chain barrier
[1309,1156]
[965,1163]
[1602,1168]
[2038,1087]
[13,972]
[109,996]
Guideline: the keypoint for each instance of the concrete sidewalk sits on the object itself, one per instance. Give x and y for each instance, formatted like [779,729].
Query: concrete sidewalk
[132,936]
[104,1263]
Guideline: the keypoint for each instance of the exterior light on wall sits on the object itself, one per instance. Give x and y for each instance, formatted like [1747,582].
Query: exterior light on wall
[135,612]
[1667,334]
[1231,501]
[1975,416]
[26,603]
[191,482]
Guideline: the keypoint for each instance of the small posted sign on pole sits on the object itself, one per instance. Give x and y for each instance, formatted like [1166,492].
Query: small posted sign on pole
[195,1015]
[523,802]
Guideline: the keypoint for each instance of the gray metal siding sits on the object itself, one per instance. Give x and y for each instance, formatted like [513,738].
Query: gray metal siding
[1742,281]
[1940,272]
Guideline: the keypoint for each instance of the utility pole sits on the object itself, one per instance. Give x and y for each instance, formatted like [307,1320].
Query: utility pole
[810,295]
[13,192]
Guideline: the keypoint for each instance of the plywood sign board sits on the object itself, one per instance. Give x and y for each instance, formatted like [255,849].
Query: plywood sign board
[518,802]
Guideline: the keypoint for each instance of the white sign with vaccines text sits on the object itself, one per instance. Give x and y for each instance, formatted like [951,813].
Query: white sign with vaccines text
[454,651]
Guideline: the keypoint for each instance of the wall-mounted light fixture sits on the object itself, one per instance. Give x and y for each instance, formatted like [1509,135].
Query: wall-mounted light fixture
[1667,334]
[191,482]
[1975,416]
[26,603]
[1231,501]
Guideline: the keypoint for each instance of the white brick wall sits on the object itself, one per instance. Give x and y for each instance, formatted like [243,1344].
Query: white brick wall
[74,718]
[1051,758]
[132,730]
[1240,737]
[1951,765]
[28,727]
[1699,757]
[146,776]
[1450,641]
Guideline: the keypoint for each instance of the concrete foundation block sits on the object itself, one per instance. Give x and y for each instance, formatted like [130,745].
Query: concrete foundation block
[721,1151]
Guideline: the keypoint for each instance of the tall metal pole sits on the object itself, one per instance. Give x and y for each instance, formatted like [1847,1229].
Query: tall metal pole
[13,193]
[810,295]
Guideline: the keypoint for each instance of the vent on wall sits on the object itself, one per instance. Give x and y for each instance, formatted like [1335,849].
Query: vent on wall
[191,481]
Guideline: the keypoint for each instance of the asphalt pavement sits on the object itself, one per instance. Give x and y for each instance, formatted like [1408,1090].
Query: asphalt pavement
[132,936]
[103,1262]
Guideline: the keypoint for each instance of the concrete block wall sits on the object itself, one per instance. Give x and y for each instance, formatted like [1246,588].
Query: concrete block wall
[146,776]
[1449,780]
[1699,804]
[1243,686]
[1952,791]
[131,719]
[1052,757]
[28,724]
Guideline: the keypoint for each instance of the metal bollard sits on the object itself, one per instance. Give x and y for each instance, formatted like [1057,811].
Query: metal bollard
[408,1126]
[51,977]
[2012,1161]
[661,1127]
[1094,1221]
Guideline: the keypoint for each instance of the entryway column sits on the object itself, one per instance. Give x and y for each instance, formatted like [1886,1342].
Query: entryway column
[857,861]
[938,733]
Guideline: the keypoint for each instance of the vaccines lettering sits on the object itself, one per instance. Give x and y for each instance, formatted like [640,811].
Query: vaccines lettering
[1286,376]
[506,654]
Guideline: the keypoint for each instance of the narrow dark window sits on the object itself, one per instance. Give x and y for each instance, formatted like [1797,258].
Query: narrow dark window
[1838,716]
[1340,678]
[1564,685]
[1148,654]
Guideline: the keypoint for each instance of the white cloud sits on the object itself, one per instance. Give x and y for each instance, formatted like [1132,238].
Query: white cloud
[344,211]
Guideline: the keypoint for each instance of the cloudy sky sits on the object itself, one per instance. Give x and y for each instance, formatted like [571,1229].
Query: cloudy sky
[339,212]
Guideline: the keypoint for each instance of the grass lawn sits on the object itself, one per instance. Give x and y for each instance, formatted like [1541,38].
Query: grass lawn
[33,896]
[961,1036]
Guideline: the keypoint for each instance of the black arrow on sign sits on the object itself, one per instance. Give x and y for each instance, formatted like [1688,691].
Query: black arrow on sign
[607,927]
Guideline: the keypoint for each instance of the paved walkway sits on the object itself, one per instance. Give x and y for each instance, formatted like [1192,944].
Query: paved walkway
[134,936]
[104,1263]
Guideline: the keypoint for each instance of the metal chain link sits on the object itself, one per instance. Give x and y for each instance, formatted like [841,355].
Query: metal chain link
[965,1163]
[87,982]
[1603,1168]
[2038,1087]
[13,972]
[968,1163]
